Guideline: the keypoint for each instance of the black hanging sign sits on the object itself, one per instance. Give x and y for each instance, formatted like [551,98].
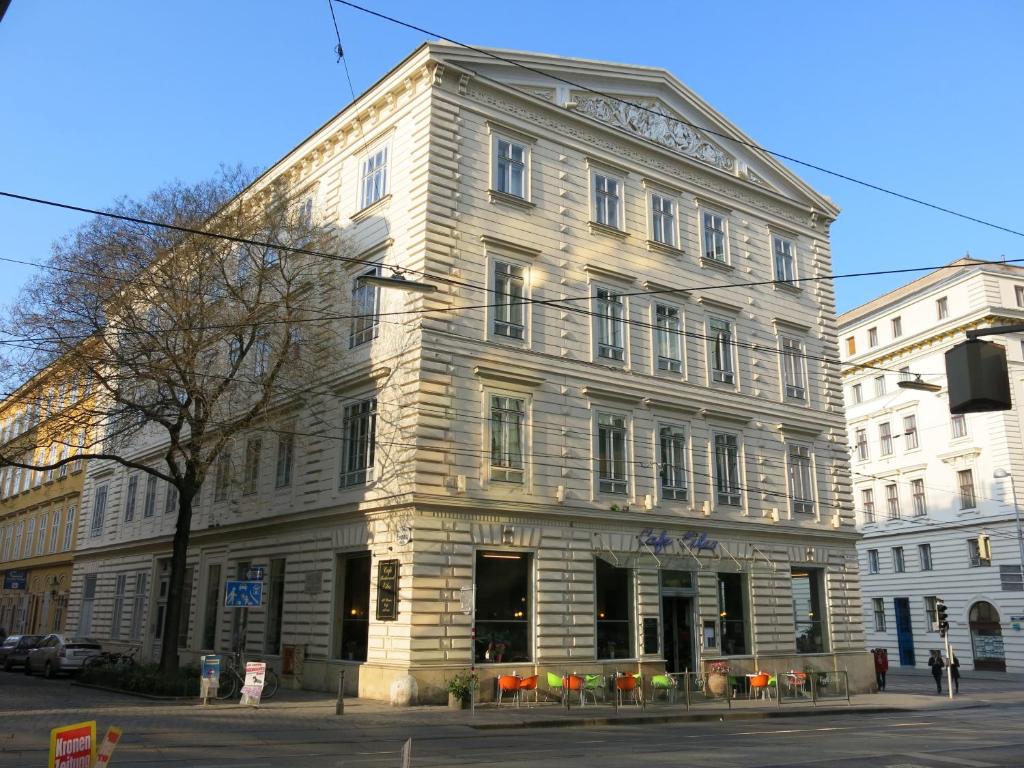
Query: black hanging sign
[650,635]
[387,590]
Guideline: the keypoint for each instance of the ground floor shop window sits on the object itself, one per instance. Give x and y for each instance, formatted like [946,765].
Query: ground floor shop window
[809,609]
[352,606]
[503,607]
[613,611]
[732,612]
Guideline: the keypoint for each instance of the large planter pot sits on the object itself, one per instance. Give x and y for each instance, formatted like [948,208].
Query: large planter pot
[718,684]
[456,702]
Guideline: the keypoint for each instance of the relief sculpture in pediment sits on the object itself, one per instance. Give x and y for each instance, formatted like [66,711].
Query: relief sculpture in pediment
[651,121]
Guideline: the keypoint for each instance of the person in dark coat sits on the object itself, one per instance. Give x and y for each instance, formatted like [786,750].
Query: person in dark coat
[954,669]
[937,665]
[881,666]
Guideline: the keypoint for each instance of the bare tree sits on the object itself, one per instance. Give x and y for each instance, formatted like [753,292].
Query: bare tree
[184,336]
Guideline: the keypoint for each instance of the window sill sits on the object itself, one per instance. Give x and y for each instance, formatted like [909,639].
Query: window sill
[670,250]
[603,229]
[496,196]
[719,265]
[783,285]
[369,210]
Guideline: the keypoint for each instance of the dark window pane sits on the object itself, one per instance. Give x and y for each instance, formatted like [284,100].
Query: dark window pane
[613,613]
[732,613]
[355,625]
[503,609]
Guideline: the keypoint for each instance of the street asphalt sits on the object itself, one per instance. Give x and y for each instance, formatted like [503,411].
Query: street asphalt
[906,727]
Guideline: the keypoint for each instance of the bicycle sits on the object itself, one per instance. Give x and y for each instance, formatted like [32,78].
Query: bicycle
[232,678]
[108,659]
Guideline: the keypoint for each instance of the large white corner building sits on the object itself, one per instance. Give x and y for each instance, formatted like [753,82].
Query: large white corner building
[613,437]
[932,491]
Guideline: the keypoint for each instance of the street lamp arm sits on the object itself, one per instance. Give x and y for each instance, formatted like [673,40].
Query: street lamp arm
[995,330]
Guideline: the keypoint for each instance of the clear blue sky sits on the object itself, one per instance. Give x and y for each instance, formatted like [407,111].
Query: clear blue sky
[102,99]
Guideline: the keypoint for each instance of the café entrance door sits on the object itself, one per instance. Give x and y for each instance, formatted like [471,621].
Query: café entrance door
[678,618]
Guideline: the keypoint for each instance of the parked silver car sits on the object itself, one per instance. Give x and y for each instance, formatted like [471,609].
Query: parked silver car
[15,648]
[56,653]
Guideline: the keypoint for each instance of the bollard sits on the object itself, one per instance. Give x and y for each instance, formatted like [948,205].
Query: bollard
[339,707]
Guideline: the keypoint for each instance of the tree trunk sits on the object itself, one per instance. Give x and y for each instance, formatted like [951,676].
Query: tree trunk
[179,555]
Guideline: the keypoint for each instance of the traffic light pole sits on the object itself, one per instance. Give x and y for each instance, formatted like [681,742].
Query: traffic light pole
[949,666]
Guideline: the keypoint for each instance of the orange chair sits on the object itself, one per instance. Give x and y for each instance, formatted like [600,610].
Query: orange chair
[508,684]
[528,684]
[627,684]
[758,686]
[577,684]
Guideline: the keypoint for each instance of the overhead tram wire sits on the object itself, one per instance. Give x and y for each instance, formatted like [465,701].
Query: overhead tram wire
[679,120]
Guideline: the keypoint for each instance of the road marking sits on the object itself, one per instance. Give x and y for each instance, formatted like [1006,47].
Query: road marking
[790,730]
[592,741]
[905,725]
[953,760]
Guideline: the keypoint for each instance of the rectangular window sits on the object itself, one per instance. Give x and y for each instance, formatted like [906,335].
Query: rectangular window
[879,386]
[878,607]
[668,338]
[88,599]
[722,363]
[149,507]
[851,345]
[910,432]
[976,556]
[120,584]
[611,453]
[858,394]
[809,609]
[917,491]
[285,458]
[510,168]
[19,531]
[867,503]
[793,369]
[897,327]
[69,529]
[54,531]
[508,420]
[129,498]
[211,607]
[30,538]
[727,469]
[965,481]
[884,439]
[958,425]
[607,202]
[365,309]
[785,261]
[509,293]
[862,444]
[732,612]
[892,501]
[613,601]
[663,220]
[714,237]
[503,610]
[672,441]
[251,470]
[275,607]
[171,499]
[8,534]
[610,315]
[352,606]
[924,556]
[941,308]
[222,477]
[358,448]
[898,566]
[41,541]
[801,479]
[99,510]
[872,337]
[931,614]
[1018,292]
[873,561]
[1009,578]
[375,177]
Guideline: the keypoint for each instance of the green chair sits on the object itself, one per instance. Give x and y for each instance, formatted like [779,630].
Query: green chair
[773,687]
[663,683]
[555,685]
[593,686]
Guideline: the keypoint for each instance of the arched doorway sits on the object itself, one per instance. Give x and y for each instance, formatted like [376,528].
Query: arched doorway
[987,637]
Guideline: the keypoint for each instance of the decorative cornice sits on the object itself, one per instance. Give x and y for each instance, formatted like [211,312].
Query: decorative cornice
[508,376]
[650,285]
[713,414]
[599,393]
[668,405]
[721,306]
[508,245]
[601,273]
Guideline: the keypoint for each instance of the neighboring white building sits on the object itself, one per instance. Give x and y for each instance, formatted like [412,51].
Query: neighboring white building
[928,484]
[641,469]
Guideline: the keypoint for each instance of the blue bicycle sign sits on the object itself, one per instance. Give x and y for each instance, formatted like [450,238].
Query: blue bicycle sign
[243,594]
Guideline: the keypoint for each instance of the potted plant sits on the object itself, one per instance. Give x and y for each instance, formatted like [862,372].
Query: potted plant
[460,687]
[718,677]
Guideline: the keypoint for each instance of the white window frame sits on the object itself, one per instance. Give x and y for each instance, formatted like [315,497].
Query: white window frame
[722,354]
[149,500]
[873,337]
[924,557]
[899,560]
[503,324]
[879,386]
[664,219]
[942,308]
[728,488]
[131,494]
[44,520]
[673,451]
[54,531]
[861,441]
[857,394]
[373,186]
[668,324]
[885,439]
[867,504]
[69,529]
[892,502]
[607,424]
[365,309]
[800,462]
[794,368]
[30,538]
[784,259]
[919,501]
[251,465]
[359,442]
[285,460]
[99,510]
[896,326]
[606,203]
[610,312]
[507,469]
[501,182]
[958,426]
[910,434]
[718,236]
[966,492]
[878,610]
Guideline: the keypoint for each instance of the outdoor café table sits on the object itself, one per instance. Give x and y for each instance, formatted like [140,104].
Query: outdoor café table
[795,682]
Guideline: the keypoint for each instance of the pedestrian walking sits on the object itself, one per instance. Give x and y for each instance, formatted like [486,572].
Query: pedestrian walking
[954,668]
[881,666]
[937,665]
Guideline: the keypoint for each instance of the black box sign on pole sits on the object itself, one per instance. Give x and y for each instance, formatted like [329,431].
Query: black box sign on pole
[650,635]
[977,377]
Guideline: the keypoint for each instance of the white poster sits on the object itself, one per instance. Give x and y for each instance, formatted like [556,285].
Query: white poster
[255,674]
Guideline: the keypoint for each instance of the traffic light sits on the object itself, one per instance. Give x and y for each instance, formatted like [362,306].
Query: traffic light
[942,617]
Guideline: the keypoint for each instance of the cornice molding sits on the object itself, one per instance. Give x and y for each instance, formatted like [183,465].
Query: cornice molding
[507,376]
[508,245]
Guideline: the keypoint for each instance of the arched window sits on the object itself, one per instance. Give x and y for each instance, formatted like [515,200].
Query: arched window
[984,613]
